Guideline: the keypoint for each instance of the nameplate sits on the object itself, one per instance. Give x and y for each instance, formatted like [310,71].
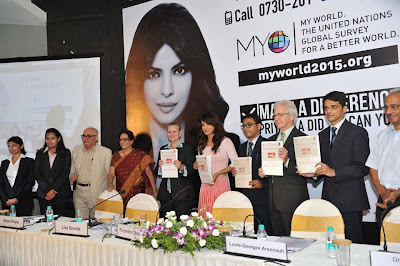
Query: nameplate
[71,228]
[126,231]
[12,222]
[384,258]
[255,247]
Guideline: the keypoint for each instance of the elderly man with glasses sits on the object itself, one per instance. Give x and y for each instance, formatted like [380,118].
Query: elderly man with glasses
[89,169]
[384,160]
[286,192]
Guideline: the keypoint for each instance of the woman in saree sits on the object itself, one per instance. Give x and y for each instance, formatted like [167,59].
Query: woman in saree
[132,169]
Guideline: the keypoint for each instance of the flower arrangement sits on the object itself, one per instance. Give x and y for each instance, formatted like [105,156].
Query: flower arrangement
[190,233]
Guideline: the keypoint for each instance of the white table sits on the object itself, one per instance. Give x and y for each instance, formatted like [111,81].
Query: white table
[33,247]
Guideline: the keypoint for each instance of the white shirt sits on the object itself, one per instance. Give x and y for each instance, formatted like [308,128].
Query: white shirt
[385,157]
[12,170]
[338,125]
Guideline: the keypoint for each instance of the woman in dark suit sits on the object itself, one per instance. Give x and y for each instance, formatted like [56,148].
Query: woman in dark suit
[52,167]
[16,179]
[177,193]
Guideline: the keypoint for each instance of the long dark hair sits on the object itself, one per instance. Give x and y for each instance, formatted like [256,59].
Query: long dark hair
[219,132]
[172,24]
[60,144]
[18,141]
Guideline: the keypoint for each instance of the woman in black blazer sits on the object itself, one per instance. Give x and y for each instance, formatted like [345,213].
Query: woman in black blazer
[177,193]
[52,167]
[16,179]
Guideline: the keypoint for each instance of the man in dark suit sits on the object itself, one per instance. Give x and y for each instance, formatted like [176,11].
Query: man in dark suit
[344,151]
[286,192]
[177,193]
[258,192]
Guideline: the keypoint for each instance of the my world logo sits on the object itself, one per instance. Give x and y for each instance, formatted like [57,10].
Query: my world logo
[277,42]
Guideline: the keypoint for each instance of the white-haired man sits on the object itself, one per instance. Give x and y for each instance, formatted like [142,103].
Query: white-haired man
[89,169]
[286,192]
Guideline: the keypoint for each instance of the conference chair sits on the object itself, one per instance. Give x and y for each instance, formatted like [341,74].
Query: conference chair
[234,207]
[312,218]
[142,204]
[108,208]
[392,228]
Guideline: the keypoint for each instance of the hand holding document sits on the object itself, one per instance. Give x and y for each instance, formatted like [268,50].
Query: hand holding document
[307,153]
[168,169]
[204,162]
[271,163]
[243,172]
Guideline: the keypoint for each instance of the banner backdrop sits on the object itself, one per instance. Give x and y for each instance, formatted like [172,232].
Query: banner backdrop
[261,52]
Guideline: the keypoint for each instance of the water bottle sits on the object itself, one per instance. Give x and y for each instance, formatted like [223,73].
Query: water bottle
[330,247]
[78,216]
[13,211]
[261,233]
[50,216]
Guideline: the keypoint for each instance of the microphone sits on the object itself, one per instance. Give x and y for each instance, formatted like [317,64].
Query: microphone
[183,189]
[244,223]
[92,223]
[389,205]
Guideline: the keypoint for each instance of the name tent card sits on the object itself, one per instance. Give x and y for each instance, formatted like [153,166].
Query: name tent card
[379,258]
[255,247]
[126,231]
[71,228]
[12,222]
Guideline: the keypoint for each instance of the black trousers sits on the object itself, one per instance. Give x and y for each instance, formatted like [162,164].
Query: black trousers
[179,206]
[281,221]
[61,205]
[353,226]
[262,213]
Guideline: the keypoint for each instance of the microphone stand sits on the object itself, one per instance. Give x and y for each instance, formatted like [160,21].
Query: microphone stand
[389,205]
[93,222]
[244,223]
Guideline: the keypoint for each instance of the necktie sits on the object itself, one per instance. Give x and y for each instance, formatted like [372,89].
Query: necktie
[282,136]
[250,149]
[333,136]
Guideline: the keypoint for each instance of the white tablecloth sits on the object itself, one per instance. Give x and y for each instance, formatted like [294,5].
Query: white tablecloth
[33,247]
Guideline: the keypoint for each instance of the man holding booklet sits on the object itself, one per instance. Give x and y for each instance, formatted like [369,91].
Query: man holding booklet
[175,167]
[344,151]
[255,189]
[286,192]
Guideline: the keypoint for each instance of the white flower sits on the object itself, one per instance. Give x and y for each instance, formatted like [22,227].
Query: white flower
[172,218]
[154,243]
[184,217]
[160,221]
[168,224]
[209,215]
[183,231]
[141,239]
[169,214]
[215,232]
[147,224]
[202,242]
[205,225]
[194,214]
[190,223]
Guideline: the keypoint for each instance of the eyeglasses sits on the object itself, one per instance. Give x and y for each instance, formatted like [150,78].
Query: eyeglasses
[279,115]
[248,125]
[123,140]
[392,106]
[87,136]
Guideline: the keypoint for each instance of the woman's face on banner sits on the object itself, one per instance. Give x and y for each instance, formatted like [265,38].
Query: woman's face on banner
[167,86]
